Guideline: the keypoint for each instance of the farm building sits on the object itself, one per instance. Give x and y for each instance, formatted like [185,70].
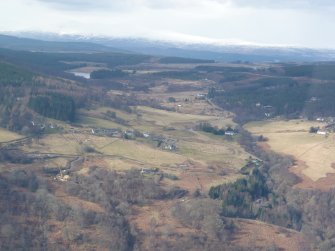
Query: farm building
[106,132]
[230,133]
[149,170]
[321,132]
[146,135]
[201,96]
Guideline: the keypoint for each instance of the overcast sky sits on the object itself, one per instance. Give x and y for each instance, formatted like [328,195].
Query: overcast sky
[307,23]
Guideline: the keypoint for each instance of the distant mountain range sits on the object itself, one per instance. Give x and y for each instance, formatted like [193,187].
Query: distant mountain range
[51,42]
[42,45]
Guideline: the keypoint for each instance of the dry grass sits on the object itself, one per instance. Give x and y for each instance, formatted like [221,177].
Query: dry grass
[281,126]
[293,138]
[57,143]
[178,120]
[143,153]
[126,154]
[166,118]
[6,135]
[262,235]
[98,122]
[71,144]
[57,162]
[201,179]
[151,120]
[117,164]
[121,164]
[102,110]
[228,154]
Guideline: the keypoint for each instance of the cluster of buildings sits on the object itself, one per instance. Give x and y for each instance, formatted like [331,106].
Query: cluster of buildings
[107,132]
[114,132]
[165,143]
[328,128]
[168,144]
[37,124]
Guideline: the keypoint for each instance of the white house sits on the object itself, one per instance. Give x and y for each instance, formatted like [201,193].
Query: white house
[321,132]
[230,133]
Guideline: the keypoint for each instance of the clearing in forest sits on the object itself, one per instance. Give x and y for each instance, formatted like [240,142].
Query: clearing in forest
[314,153]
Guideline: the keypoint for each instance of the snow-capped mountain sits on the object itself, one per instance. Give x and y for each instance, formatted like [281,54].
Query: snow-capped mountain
[213,50]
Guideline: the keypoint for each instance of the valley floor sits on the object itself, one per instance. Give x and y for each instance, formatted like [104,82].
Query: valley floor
[196,162]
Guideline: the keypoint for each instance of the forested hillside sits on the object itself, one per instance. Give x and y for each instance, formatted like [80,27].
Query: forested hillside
[271,97]
[57,63]
[25,94]
[15,43]
[55,106]
[324,71]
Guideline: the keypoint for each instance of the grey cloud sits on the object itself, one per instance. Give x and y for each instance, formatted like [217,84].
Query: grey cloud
[117,5]
[80,5]
[126,4]
[289,4]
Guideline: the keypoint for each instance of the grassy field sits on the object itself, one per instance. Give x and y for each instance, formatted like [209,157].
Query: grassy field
[292,138]
[281,126]
[201,147]
[102,110]
[142,153]
[98,122]
[72,144]
[148,119]
[205,160]
[210,155]
[117,164]
[227,154]
[57,143]
[167,118]
[6,135]
[178,120]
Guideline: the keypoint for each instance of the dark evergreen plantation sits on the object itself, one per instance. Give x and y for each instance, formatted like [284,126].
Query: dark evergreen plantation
[54,105]
[270,97]
[11,75]
[25,94]
[56,63]
[324,71]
